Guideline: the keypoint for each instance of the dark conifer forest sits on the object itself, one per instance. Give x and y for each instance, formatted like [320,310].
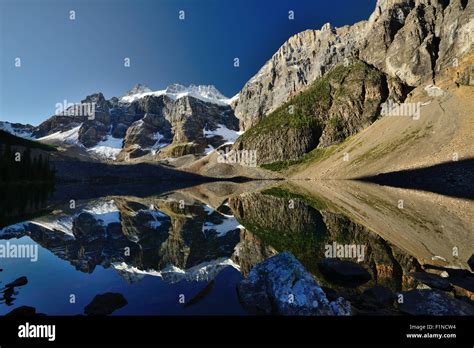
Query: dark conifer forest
[18,164]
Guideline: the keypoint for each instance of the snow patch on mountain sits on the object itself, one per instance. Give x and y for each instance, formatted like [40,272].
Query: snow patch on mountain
[109,148]
[158,137]
[70,136]
[228,135]
[157,216]
[15,130]
[227,225]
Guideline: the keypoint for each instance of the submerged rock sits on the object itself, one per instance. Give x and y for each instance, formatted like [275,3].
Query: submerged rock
[105,304]
[280,285]
[344,272]
[380,295]
[433,302]
[463,286]
[17,282]
[23,311]
[432,280]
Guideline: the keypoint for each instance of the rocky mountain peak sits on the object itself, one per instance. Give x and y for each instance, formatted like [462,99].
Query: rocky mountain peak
[138,88]
[176,91]
[97,98]
[175,88]
[327,27]
[203,92]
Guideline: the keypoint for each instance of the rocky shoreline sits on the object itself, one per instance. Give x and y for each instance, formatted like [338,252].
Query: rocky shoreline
[281,286]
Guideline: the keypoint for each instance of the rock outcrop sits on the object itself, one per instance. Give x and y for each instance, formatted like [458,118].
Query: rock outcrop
[105,304]
[22,311]
[433,302]
[415,40]
[344,272]
[334,107]
[281,286]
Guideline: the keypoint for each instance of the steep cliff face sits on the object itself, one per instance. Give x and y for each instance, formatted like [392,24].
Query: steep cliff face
[333,108]
[414,40]
[408,39]
[188,124]
[301,60]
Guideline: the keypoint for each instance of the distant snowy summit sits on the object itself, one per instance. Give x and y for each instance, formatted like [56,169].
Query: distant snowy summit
[165,124]
[175,91]
[138,89]
[18,129]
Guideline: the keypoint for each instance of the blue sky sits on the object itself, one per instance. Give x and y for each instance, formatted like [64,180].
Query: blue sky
[68,60]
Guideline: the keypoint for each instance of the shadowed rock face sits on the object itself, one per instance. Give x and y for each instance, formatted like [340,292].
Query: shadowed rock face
[281,144]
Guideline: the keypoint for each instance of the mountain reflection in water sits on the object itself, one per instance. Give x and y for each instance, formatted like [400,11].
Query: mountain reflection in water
[183,252]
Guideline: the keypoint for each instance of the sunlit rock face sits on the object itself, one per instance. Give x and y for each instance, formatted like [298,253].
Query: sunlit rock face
[405,39]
